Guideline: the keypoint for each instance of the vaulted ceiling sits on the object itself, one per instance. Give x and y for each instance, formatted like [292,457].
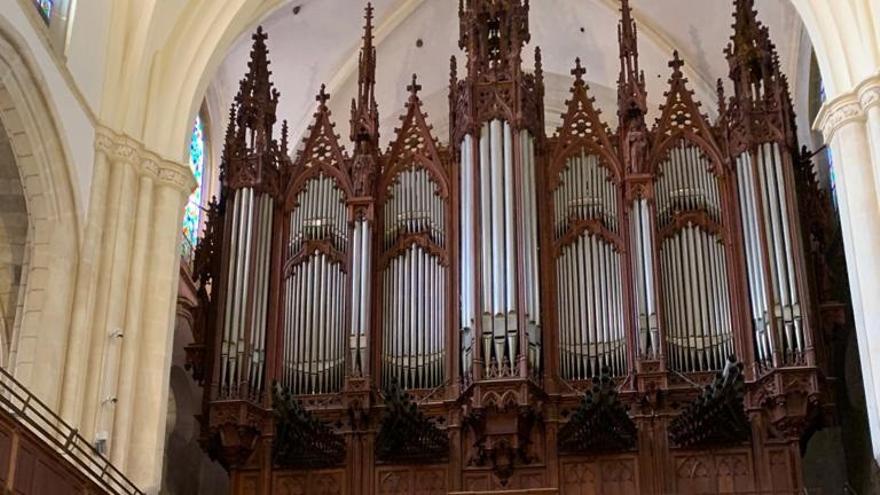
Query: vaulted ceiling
[316,41]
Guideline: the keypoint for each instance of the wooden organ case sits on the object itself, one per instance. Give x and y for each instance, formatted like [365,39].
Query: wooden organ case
[639,310]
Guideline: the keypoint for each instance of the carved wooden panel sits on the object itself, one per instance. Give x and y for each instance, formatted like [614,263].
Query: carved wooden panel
[720,472]
[248,484]
[35,473]
[781,472]
[411,480]
[613,476]
[319,482]
[521,479]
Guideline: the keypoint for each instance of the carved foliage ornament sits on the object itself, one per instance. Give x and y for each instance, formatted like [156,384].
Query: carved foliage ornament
[301,440]
[717,416]
[600,424]
[406,435]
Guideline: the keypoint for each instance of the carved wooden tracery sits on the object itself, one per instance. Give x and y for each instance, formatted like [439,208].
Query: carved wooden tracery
[488,284]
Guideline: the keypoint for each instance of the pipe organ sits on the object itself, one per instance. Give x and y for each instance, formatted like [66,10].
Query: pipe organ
[517,309]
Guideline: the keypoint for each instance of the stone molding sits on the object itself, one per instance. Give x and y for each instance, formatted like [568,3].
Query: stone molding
[123,149]
[849,107]
[869,93]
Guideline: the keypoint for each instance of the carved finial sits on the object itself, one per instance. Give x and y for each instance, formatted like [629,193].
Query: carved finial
[453,71]
[415,87]
[750,47]
[676,64]
[285,135]
[322,96]
[722,99]
[578,71]
[369,17]
[364,110]
[539,63]
[627,33]
[631,93]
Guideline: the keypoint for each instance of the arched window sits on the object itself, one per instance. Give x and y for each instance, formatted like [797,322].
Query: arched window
[45,7]
[193,210]
[58,17]
[825,162]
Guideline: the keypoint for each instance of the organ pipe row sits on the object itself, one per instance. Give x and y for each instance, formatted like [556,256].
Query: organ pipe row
[314,355]
[414,284]
[768,241]
[686,184]
[590,314]
[321,215]
[415,316]
[499,252]
[644,294]
[590,309]
[414,207]
[314,291]
[531,279]
[693,264]
[586,193]
[243,347]
[697,304]
[360,295]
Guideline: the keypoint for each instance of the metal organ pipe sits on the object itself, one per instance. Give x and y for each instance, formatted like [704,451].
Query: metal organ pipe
[529,228]
[468,264]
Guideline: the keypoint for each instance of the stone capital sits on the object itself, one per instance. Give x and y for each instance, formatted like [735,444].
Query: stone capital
[123,149]
[837,113]
[869,93]
[848,107]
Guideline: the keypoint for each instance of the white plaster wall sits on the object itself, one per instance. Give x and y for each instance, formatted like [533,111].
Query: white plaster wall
[87,52]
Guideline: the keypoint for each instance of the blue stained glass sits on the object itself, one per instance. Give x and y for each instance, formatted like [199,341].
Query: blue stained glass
[832,175]
[192,213]
[45,7]
[829,156]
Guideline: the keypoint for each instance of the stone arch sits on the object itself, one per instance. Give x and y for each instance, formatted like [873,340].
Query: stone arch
[13,242]
[41,330]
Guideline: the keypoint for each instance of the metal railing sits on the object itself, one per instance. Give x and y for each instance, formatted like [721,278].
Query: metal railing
[27,409]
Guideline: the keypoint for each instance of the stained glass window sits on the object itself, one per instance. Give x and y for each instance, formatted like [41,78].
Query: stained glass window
[192,213]
[45,7]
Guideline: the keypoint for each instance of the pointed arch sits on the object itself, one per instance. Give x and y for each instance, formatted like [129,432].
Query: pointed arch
[681,120]
[321,153]
[582,129]
[53,224]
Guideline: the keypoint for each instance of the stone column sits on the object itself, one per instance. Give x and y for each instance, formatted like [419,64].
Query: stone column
[79,337]
[154,345]
[111,295]
[116,375]
[121,429]
[851,123]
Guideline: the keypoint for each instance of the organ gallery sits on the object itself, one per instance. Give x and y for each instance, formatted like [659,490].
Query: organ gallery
[619,306]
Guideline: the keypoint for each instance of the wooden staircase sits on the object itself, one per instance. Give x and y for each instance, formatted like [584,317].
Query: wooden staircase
[40,454]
